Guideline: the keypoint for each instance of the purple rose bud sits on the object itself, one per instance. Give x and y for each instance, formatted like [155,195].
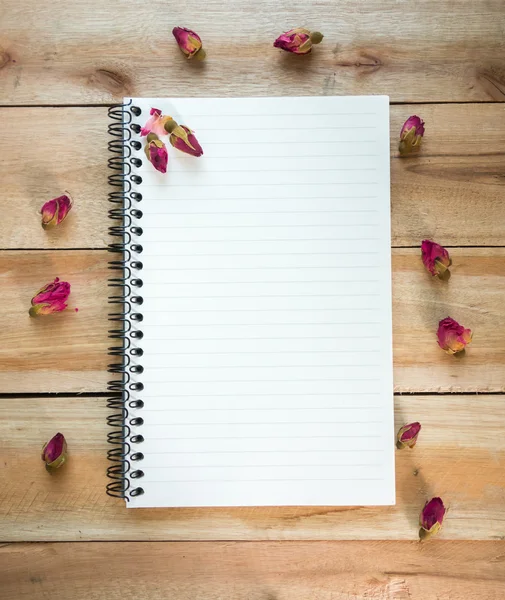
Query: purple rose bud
[431,518]
[453,337]
[50,299]
[156,153]
[411,135]
[189,42]
[407,435]
[54,211]
[182,138]
[436,259]
[298,40]
[54,453]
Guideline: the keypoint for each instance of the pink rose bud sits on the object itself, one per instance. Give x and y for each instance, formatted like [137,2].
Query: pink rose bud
[189,42]
[298,40]
[411,135]
[50,299]
[407,435]
[436,259]
[155,123]
[453,337]
[182,138]
[54,211]
[431,518]
[156,153]
[54,453]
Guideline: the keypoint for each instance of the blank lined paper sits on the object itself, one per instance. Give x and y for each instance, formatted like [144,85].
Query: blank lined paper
[267,348]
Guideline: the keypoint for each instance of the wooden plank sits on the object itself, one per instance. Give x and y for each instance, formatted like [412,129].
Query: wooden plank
[70,154]
[452,192]
[61,352]
[460,456]
[430,51]
[68,352]
[254,571]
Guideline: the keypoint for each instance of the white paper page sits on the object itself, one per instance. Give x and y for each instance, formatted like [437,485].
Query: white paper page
[267,306]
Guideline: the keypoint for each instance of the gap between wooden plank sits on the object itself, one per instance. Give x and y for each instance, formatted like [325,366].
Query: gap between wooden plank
[108,104]
[17,395]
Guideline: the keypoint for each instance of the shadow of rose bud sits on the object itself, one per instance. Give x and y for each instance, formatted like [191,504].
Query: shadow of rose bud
[54,453]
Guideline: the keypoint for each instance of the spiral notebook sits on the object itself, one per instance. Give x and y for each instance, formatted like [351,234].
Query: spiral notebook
[255,305]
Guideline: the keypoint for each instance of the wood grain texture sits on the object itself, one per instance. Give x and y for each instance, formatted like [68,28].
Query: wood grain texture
[61,352]
[88,51]
[453,191]
[460,456]
[67,352]
[70,153]
[255,571]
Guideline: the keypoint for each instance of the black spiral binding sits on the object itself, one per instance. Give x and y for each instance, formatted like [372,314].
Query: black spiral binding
[123,211]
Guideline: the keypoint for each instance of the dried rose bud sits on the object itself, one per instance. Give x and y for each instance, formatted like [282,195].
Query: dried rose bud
[436,259]
[54,211]
[54,453]
[407,435]
[298,40]
[182,138]
[156,153]
[189,42]
[453,337]
[431,518]
[50,299]
[411,135]
[155,123]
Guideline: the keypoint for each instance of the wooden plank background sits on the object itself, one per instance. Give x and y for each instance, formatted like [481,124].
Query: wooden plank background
[61,64]
[256,571]
[460,456]
[68,352]
[452,192]
[86,51]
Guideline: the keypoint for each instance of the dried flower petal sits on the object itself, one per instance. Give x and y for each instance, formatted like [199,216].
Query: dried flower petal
[189,42]
[453,337]
[411,135]
[155,123]
[182,138]
[431,518]
[54,211]
[436,259]
[298,40]
[407,435]
[54,453]
[156,153]
[50,299]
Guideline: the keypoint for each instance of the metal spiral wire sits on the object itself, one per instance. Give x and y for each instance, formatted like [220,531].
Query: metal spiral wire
[123,283]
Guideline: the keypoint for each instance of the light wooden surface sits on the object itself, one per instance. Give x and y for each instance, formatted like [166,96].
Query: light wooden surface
[255,571]
[68,352]
[55,52]
[459,456]
[452,192]
[447,59]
